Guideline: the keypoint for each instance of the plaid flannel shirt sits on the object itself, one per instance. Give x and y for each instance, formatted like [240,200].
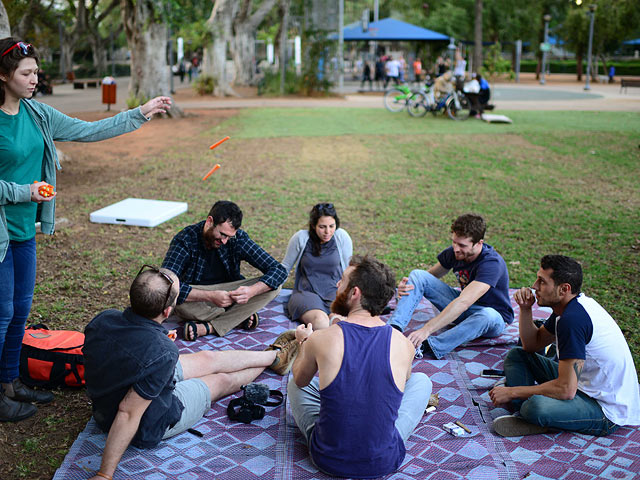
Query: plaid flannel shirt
[186,257]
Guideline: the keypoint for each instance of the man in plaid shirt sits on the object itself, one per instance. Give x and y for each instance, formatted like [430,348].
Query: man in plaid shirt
[206,256]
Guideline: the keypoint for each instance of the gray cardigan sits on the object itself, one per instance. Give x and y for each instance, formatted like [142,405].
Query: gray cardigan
[56,126]
[298,242]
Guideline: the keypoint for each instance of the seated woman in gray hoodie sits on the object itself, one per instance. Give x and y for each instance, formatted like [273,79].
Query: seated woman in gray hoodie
[320,255]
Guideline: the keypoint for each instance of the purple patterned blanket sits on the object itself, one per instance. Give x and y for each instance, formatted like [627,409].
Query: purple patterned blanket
[272,448]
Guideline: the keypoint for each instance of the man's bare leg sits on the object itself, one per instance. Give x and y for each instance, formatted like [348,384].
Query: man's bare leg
[223,384]
[208,362]
[317,318]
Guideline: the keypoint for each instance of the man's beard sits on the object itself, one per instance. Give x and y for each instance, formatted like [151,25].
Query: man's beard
[341,304]
[209,239]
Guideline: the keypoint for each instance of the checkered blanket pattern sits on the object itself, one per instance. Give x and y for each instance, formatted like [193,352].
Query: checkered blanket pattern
[272,448]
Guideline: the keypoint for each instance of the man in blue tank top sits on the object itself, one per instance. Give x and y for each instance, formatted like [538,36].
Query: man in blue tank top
[356,416]
[481,308]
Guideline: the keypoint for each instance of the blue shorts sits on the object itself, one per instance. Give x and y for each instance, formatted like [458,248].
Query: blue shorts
[194,396]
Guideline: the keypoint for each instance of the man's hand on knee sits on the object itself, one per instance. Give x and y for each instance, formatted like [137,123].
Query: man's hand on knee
[404,287]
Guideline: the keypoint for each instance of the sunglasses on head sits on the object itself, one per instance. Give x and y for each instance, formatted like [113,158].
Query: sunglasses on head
[164,275]
[324,206]
[25,47]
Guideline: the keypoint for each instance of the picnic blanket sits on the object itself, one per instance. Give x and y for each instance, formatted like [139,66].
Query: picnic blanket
[273,448]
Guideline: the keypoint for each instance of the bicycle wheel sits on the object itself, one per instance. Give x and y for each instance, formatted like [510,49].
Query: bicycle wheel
[417,105]
[395,100]
[456,113]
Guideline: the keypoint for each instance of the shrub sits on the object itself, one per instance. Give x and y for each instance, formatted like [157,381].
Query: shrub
[204,85]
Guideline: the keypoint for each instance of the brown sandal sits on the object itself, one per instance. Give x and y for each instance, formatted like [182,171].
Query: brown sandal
[251,323]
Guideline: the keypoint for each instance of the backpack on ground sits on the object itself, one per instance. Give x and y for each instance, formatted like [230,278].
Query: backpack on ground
[52,358]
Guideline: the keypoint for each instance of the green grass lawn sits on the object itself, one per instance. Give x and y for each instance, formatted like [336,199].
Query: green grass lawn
[551,182]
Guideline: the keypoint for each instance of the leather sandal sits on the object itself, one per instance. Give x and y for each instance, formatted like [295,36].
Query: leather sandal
[190,331]
[251,323]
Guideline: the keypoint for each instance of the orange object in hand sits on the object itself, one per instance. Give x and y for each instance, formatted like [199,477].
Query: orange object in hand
[45,190]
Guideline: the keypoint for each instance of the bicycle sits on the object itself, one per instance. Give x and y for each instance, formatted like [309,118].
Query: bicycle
[456,104]
[396,98]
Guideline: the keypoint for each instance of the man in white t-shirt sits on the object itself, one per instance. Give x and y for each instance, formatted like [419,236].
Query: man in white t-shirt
[593,387]
[393,71]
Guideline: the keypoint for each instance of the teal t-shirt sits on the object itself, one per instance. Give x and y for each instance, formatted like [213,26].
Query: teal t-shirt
[21,153]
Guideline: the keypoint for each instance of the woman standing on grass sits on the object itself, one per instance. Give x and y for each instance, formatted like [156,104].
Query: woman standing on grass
[28,160]
[320,255]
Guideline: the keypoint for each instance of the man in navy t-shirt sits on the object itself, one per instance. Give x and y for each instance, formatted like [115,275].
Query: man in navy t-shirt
[480,309]
[593,387]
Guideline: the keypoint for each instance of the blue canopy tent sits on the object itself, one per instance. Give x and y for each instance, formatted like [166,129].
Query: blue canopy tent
[635,41]
[390,29]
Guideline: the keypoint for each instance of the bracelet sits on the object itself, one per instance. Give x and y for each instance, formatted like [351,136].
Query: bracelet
[104,475]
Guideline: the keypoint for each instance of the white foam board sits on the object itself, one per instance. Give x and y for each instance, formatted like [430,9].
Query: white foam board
[493,118]
[139,212]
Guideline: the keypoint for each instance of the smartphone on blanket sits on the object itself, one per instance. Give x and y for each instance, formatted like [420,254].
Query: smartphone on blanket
[489,372]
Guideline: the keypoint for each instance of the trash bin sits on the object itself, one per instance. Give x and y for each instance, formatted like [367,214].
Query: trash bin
[108,91]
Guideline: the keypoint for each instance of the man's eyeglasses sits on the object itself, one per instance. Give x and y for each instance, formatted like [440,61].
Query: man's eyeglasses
[164,275]
[224,236]
[26,48]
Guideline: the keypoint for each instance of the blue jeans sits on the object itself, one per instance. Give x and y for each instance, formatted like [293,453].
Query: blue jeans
[305,405]
[581,414]
[17,281]
[476,322]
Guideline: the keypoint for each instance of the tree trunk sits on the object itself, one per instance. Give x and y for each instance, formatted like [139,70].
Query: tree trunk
[579,66]
[244,54]
[5,27]
[147,39]
[215,57]
[243,44]
[477,49]
[99,52]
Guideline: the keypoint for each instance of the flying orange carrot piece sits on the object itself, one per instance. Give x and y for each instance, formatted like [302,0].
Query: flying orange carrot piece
[218,143]
[211,171]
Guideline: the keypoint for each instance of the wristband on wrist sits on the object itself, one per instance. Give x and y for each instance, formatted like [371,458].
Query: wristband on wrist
[104,475]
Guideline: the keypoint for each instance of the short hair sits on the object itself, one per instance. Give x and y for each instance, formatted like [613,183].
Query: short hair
[318,211]
[565,270]
[148,293]
[469,225]
[226,211]
[375,280]
[9,62]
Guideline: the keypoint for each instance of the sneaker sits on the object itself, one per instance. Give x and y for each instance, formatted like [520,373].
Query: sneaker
[427,351]
[285,357]
[516,426]
[22,393]
[283,339]
[12,411]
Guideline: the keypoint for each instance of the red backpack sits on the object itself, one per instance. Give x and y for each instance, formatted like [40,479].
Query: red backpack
[52,358]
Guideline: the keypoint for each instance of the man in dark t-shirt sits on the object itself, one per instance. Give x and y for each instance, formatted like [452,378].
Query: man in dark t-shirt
[142,390]
[480,309]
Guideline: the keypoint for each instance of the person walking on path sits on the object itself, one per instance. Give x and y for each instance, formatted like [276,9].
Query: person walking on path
[28,162]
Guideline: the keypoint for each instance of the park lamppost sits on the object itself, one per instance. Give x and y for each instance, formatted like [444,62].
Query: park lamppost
[547,19]
[592,12]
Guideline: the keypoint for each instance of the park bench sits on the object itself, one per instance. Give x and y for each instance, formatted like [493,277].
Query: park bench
[629,82]
[81,83]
